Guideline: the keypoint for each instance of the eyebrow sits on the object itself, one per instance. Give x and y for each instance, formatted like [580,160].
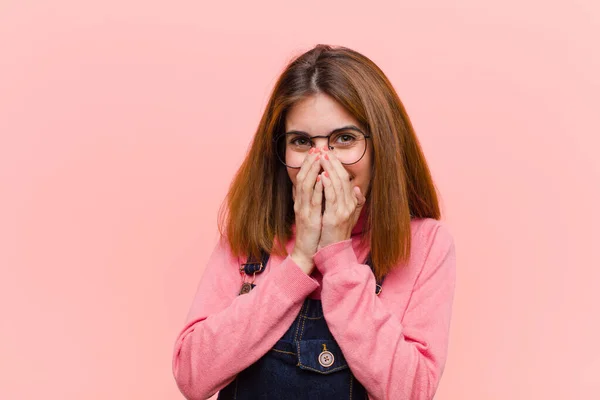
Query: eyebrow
[344,128]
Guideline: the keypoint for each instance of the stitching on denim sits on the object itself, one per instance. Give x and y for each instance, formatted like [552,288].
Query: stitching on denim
[285,352]
[316,370]
[303,321]
[313,318]
[298,322]
[321,372]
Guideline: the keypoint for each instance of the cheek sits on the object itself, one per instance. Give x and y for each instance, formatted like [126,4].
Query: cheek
[361,173]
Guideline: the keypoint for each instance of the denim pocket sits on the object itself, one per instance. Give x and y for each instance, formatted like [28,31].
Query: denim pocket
[322,356]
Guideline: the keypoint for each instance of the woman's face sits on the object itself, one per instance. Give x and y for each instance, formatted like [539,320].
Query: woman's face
[319,115]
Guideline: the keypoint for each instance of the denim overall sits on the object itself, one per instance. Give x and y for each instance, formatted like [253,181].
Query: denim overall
[306,363]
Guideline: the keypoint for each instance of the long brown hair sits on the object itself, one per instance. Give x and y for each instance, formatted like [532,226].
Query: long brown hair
[258,211]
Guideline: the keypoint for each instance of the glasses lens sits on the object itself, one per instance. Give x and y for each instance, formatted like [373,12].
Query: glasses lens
[349,147]
[292,148]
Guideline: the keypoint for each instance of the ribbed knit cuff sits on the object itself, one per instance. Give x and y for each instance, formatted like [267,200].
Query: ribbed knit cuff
[292,281]
[334,257]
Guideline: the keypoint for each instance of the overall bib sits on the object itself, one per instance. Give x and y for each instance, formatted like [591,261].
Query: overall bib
[306,363]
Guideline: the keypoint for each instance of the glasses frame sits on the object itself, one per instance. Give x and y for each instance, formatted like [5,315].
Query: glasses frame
[313,145]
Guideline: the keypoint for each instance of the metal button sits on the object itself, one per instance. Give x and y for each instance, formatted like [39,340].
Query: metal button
[246,288]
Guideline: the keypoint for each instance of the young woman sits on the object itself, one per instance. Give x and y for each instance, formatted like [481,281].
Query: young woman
[333,277]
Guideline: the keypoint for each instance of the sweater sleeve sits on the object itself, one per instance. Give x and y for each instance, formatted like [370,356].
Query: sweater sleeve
[225,333]
[396,351]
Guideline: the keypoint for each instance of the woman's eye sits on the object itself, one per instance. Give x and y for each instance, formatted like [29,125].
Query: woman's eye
[300,141]
[345,138]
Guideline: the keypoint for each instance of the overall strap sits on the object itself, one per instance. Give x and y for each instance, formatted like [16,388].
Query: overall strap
[252,267]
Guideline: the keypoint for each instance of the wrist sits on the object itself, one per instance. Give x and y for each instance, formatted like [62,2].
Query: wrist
[331,241]
[305,263]
[332,236]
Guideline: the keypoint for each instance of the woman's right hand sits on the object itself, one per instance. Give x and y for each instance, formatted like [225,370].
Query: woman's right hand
[308,197]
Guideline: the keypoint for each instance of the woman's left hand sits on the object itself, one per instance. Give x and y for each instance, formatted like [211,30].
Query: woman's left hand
[343,203]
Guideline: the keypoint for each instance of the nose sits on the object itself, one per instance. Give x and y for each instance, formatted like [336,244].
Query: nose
[320,143]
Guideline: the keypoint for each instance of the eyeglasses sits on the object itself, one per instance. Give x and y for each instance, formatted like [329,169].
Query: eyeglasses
[348,145]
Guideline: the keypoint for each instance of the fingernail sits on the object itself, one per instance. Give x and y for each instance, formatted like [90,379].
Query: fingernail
[324,148]
[312,150]
[326,174]
[326,156]
[318,178]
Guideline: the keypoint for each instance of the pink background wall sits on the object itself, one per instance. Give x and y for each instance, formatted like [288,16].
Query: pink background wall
[122,123]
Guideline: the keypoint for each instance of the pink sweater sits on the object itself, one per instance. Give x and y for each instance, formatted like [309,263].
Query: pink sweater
[395,343]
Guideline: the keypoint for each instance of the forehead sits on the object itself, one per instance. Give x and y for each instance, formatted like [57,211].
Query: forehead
[318,114]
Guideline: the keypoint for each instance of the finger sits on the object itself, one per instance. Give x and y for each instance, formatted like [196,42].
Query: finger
[317,198]
[329,191]
[307,164]
[359,197]
[308,183]
[343,175]
[332,174]
[313,171]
